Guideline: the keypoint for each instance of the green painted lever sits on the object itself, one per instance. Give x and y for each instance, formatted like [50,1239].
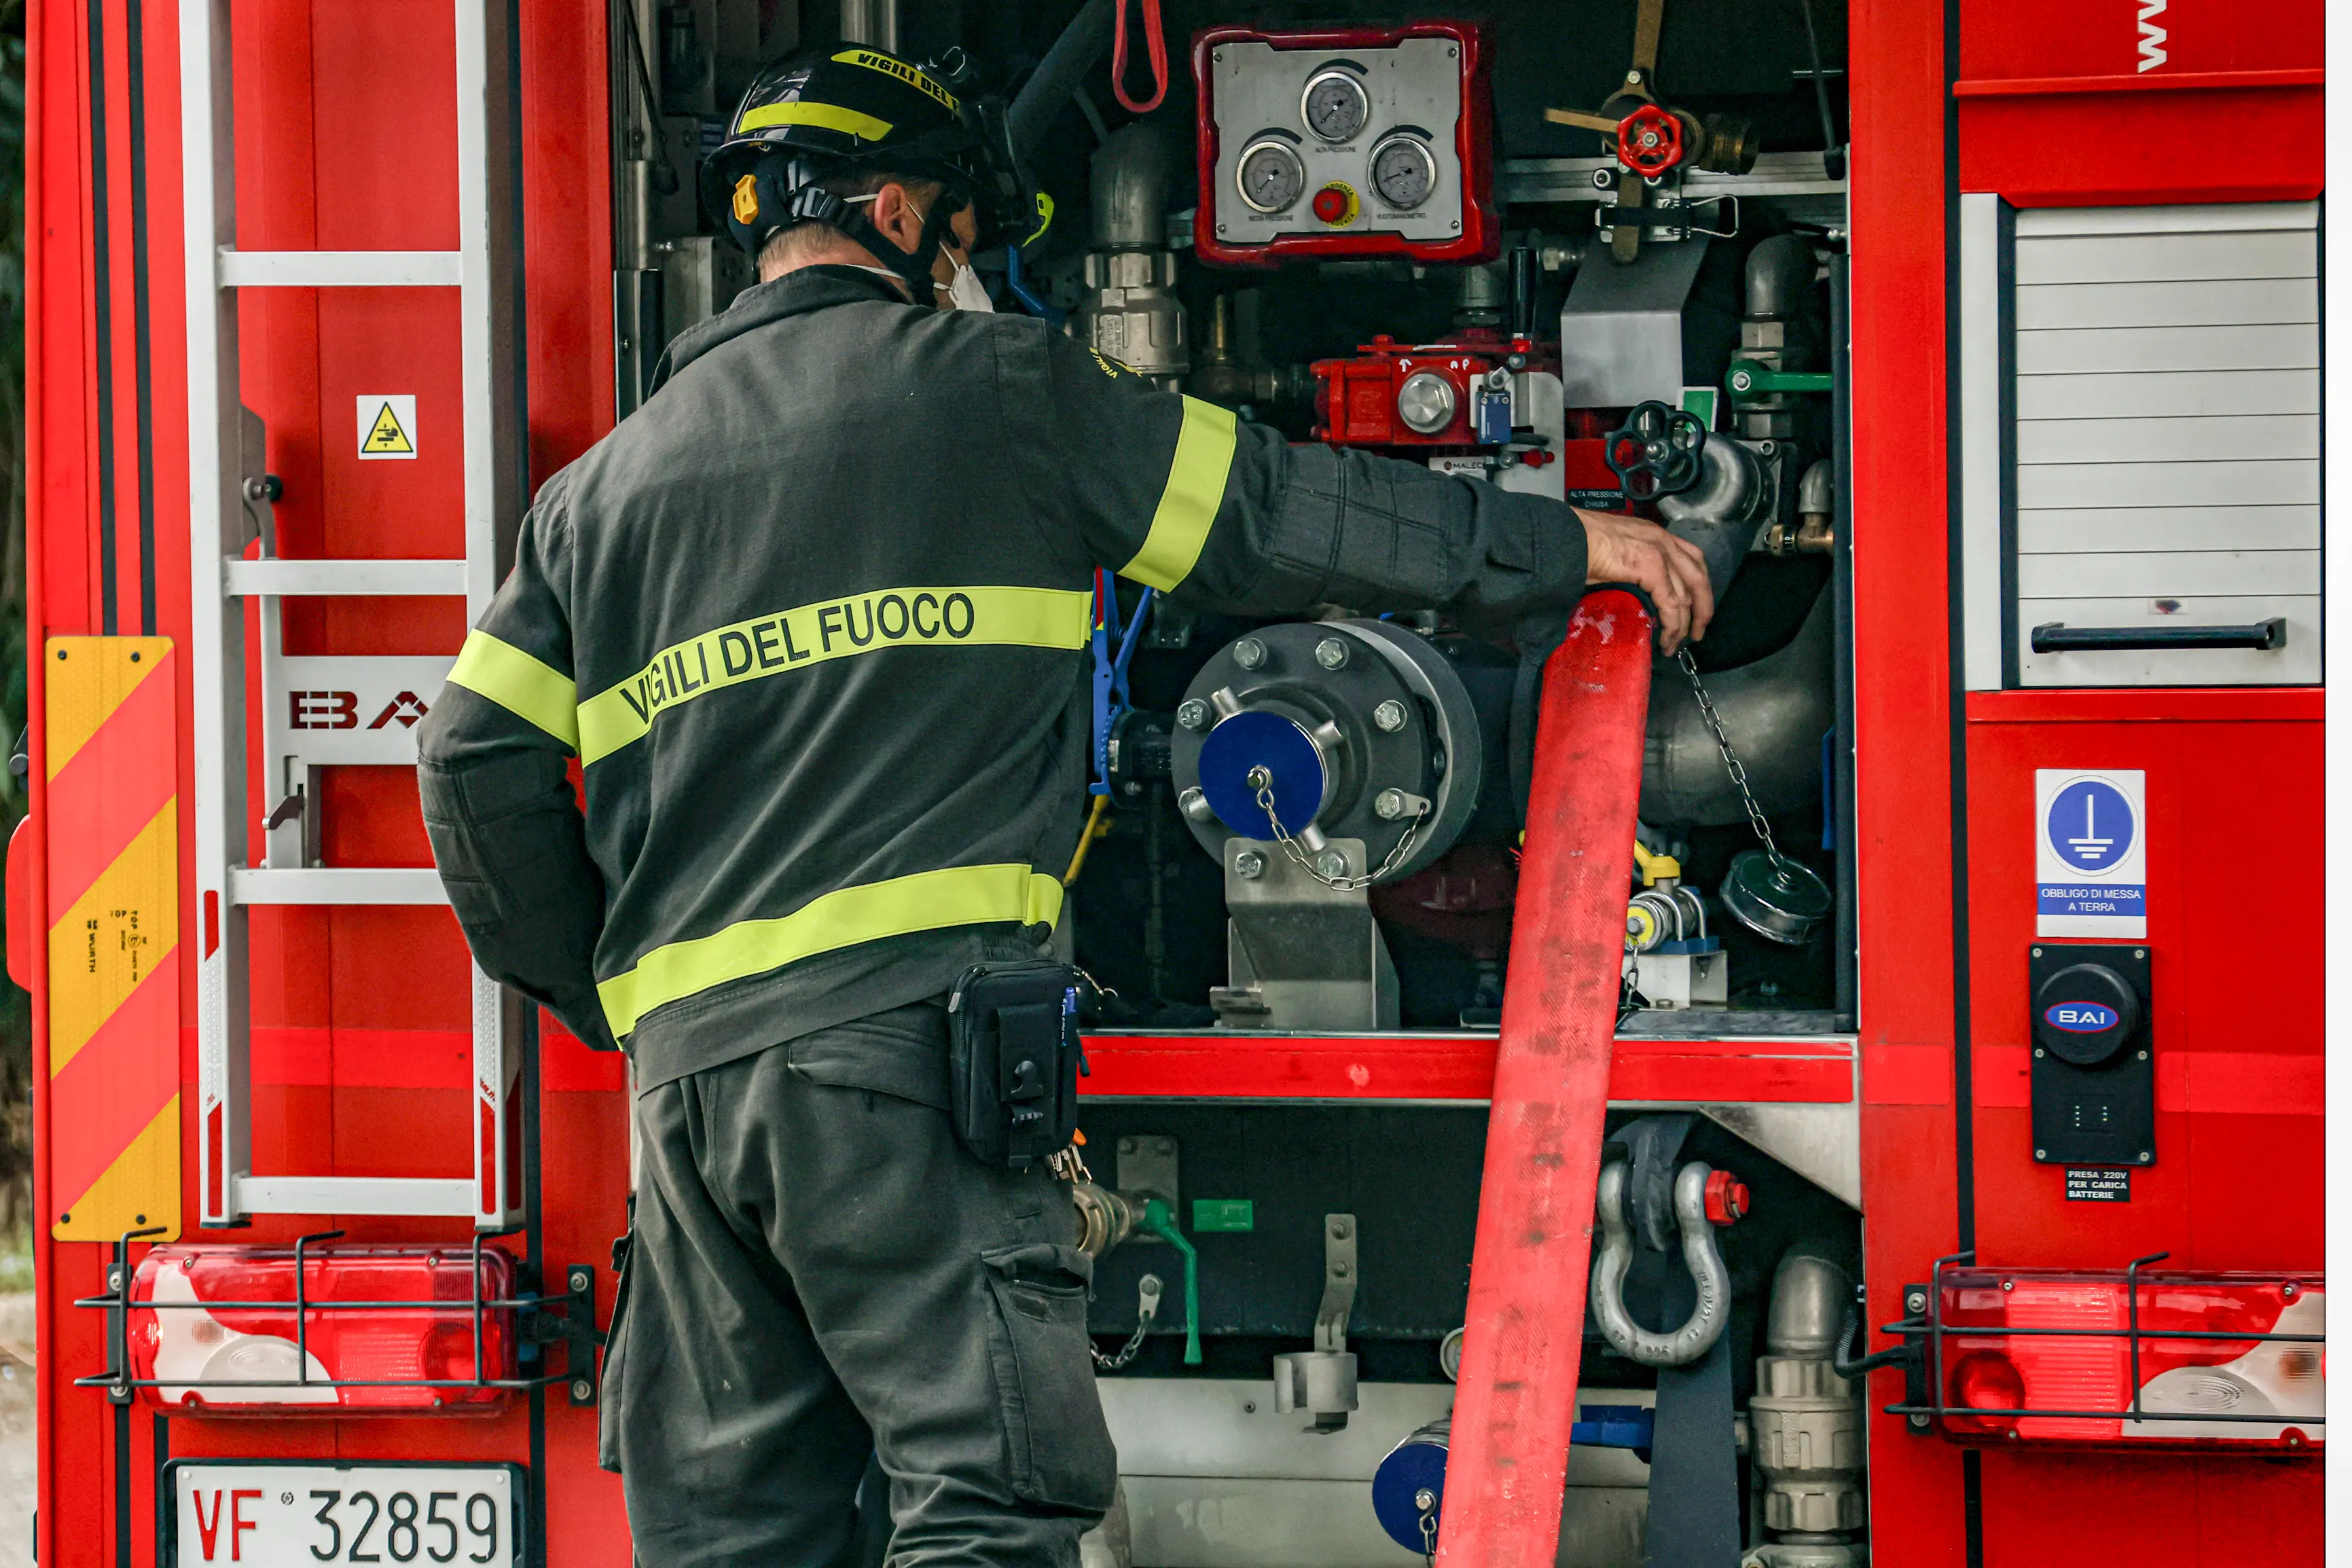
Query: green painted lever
[1161,1221]
[1747,378]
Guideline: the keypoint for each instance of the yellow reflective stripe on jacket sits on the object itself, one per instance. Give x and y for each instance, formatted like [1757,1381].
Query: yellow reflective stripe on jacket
[823,116]
[1196,486]
[927,901]
[833,629]
[519,683]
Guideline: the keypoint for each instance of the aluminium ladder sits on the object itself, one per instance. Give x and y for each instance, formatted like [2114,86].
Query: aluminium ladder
[228,506]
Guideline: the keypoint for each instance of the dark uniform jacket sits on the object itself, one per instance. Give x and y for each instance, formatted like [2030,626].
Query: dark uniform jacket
[815,619]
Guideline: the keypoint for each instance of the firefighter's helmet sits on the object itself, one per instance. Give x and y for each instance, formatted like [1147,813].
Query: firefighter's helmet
[816,117]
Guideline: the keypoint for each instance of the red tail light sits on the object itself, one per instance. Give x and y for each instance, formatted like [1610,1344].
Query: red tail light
[1986,1380]
[379,1329]
[2131,1357]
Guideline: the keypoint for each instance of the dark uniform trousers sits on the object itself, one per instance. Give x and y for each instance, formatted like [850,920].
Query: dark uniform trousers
[821,1273]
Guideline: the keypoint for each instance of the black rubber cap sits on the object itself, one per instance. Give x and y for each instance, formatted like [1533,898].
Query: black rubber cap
[2084,1013]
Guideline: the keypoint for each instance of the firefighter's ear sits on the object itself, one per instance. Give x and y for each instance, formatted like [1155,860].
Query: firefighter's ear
[899,215]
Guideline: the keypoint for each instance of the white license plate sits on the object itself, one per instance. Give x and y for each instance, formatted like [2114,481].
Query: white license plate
[300,1516]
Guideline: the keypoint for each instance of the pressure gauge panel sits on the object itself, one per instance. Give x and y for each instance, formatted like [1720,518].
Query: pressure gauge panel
[1389,129]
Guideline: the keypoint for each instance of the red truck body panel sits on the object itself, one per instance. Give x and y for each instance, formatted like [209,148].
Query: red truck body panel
[361,1027]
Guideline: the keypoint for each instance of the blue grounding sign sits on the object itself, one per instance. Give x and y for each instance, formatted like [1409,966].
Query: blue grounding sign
[2092,827]
[2090,852]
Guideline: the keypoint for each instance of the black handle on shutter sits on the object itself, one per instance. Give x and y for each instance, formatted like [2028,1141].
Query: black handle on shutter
[2057,637]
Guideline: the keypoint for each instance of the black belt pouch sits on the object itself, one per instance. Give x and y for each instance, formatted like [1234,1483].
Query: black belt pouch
[1013,1061]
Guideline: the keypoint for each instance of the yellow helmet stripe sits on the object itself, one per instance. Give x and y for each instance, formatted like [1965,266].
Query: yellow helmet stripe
[823,116]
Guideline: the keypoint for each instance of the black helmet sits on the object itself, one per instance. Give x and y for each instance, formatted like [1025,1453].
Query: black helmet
[819,116]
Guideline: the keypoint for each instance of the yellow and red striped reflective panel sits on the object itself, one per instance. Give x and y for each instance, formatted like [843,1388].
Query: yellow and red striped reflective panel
[112,832]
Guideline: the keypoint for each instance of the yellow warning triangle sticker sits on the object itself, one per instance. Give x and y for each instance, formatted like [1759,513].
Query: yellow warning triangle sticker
[385,434]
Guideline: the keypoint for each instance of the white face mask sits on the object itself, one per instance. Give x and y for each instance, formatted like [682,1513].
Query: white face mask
[967,293]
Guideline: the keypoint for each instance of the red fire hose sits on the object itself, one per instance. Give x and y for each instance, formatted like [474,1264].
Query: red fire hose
[1524,1333]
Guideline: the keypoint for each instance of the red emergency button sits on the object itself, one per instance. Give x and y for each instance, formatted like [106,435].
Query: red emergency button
[1335,204]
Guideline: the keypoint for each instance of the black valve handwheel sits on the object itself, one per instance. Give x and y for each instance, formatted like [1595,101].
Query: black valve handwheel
[1656,452]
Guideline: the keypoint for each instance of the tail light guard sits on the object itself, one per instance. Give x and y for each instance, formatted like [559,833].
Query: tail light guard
[2128,1358]
[314,1329]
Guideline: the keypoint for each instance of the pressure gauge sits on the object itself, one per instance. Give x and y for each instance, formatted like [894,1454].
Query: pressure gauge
[1270,175]
[1335,105]
[1403,172]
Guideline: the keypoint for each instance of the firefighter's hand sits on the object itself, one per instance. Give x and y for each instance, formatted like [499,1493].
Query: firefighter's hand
[1669,569]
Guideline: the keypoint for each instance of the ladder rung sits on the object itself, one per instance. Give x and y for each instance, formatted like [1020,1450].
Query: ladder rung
[336,884]
[355,1195]
[346,578]
[338,268]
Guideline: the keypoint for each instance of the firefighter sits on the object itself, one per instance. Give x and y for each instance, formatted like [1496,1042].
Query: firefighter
[815,623]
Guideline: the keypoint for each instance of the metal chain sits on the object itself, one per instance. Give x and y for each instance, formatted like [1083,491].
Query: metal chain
[1297,851]
[1147,1314]
[1127,1352]
[1731,763]
[1428,1529]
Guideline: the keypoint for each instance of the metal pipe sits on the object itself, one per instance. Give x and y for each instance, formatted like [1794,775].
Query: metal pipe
[1721,513]
[1810,1296]
[1128,183]
[1780,275]
[1775,710]
[871,21]
[1523,1338]
[1049,87]
[1805,1420]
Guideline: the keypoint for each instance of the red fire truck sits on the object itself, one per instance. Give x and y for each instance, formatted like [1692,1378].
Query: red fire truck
[1837,1098]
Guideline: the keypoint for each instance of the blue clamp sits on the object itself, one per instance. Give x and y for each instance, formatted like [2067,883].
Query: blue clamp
[1110,668]
[1615,1427]
[1031,300]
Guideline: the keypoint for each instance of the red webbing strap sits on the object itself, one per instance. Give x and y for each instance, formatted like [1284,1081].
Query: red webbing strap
[1155,41]
[1525,1326]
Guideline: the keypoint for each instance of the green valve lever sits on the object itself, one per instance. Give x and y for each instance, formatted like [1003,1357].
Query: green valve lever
[1746,380]
[1161,1221]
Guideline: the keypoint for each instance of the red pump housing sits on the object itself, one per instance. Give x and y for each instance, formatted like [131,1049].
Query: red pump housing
[1364,402]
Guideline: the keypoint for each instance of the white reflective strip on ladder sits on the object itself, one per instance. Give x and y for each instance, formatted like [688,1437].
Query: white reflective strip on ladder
[276,577]
[338,268]
[336,885]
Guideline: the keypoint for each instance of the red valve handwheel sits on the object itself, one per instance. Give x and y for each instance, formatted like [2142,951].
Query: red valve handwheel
[1650,140]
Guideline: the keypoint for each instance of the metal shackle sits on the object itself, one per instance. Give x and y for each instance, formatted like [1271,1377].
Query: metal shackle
[1708,1317]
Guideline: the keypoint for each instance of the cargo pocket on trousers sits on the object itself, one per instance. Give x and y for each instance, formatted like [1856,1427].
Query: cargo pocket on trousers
[1061,1452]
[609,1384]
